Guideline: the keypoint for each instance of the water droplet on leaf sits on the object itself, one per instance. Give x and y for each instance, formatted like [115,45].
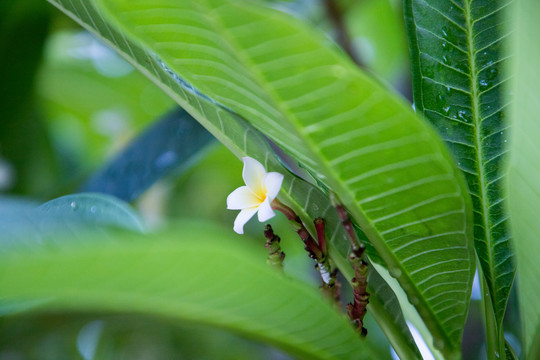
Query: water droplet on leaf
[444,31]
[492,74]
[439,344]
[462,114]
[395,272]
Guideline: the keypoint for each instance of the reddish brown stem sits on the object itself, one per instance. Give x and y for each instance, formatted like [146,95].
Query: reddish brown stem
[321,236]
[310,245]
[275,255]
[348,225]
[318,252]
[358,308]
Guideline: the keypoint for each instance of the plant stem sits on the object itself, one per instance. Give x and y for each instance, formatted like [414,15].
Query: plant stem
[275,255]
[317,251]
[310,245]
[357,310]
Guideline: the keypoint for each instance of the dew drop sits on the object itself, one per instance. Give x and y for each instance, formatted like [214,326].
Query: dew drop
[492,73]
[445,59]
[446,109]
[73,205]
[395,272]
[463,115]
[448,89]
[93,209]
[444,45]
[439,344]
[483,83]
[505,140]
[440,98]
[444,31]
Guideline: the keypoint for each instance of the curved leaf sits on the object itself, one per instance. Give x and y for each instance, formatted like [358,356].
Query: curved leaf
[81,213]
[524,173]
[216,279]
[457,61]
[385,165]
[171,144]
[94,209]
[242,139]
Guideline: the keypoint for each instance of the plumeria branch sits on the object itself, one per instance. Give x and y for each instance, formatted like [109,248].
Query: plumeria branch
[310,245]
[358,308]
[316,250]
[275,255]
[258,196]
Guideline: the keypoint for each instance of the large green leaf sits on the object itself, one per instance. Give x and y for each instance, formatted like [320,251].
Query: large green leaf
[197,272]
[308,201]
[401,187]
[524,172]
[457,61]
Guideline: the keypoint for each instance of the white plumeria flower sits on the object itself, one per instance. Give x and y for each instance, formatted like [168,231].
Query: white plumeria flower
[257,196]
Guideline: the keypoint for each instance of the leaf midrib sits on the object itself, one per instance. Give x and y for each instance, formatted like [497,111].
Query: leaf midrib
[475,109]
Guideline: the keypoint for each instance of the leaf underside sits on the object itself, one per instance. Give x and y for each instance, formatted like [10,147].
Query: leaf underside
[399,185]
[458,61]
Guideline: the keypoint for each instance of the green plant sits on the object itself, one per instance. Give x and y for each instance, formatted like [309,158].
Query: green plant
[428,201]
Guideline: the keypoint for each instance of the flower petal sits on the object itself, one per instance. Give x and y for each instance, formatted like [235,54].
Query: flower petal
[242,218]
[272,182]
[253,175]
[265,211]
[242,198]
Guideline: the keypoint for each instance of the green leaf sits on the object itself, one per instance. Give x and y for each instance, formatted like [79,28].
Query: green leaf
[173,143]
[216,280]
[436,227]
[457,61]
[366,145]
[244,140]
[524,173]
[79,213]
[93,209]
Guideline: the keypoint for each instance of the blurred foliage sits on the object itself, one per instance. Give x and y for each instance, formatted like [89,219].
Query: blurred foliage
[24,145]
[93,100]
[59,337]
